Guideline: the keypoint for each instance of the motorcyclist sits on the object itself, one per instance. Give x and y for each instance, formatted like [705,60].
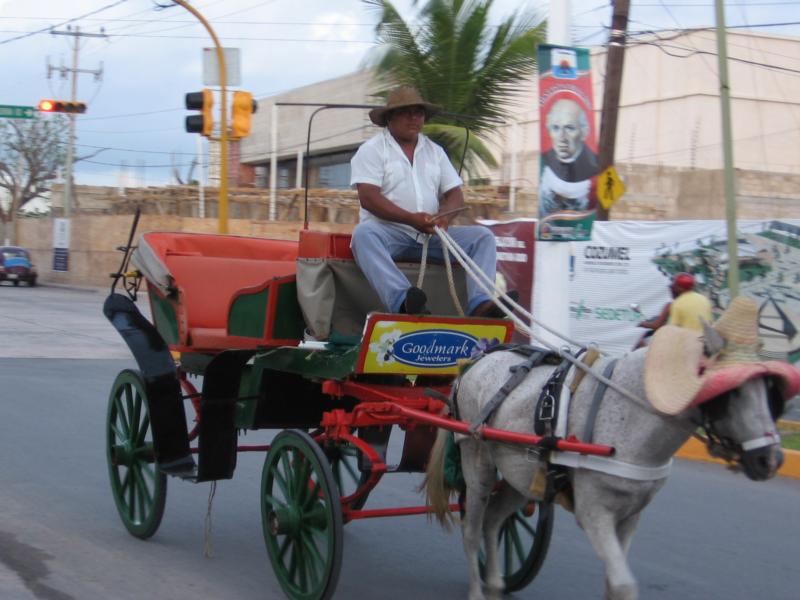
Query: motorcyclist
[686,310]
[690,309]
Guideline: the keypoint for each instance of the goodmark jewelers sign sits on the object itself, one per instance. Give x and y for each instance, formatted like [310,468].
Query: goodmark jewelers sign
[406,345]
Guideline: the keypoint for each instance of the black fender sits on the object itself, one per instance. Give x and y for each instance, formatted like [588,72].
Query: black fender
[218,435]
[164,397]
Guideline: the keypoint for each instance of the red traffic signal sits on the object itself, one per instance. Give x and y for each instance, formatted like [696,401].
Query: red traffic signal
[61,106]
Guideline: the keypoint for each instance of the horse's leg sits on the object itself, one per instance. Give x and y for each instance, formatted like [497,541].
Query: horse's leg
[502,504]
[480,477]
[600,526]
[625,529]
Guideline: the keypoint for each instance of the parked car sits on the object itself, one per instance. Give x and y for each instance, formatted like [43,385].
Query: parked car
[16,266]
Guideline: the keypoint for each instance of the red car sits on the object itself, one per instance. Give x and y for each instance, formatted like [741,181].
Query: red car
[16,266]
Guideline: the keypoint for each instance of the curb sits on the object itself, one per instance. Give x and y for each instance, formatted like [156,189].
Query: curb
[695,450]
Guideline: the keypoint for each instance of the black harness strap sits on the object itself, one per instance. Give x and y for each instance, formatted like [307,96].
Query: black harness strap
[597,399]
[518,374]
[547,406]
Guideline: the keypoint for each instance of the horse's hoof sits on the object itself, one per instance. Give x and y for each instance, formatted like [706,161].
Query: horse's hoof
[622,592]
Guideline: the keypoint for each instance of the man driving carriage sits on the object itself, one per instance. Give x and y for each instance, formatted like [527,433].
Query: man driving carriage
[405,184]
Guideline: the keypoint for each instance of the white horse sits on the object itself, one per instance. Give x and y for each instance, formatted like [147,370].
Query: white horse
[607,506]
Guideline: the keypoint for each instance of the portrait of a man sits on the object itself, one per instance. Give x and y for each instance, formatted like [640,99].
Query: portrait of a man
[570,164]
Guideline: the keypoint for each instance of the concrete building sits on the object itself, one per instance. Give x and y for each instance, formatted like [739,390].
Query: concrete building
[669,115]
[335,134]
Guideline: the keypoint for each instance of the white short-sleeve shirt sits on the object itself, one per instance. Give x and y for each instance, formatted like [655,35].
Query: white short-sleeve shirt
[415,187]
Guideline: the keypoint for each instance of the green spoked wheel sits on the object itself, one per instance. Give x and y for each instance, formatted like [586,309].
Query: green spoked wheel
[343,459]
[301,517]
[522,545]
[138,487]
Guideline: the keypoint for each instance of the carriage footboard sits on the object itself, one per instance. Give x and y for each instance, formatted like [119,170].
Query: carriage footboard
[167,416]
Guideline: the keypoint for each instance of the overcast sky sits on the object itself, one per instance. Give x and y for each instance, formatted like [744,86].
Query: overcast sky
[151,57]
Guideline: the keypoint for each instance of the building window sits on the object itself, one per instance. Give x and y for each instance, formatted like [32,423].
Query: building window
[335,176]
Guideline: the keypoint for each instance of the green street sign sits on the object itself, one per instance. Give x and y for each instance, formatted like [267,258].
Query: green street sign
[16,112]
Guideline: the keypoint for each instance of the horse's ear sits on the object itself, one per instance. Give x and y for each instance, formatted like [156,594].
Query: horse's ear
[713,342]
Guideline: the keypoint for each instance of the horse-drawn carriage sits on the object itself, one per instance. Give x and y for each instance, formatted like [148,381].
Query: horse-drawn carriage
[288,335]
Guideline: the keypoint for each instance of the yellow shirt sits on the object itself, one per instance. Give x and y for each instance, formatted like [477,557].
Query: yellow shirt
[687,310]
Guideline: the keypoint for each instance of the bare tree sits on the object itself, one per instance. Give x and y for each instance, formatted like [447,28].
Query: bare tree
[31,153]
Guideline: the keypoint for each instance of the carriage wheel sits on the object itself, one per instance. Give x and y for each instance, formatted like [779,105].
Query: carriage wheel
[301,517]
[522,545]
[138,486]
[343,459]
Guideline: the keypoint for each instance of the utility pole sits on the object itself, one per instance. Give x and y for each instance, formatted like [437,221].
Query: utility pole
[615,60]
[727,153]
[98,74]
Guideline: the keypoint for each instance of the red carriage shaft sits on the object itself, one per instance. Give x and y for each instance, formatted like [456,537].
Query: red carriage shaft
[411,406]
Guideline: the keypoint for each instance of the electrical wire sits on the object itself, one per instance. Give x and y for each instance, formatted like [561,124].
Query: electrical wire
[47,29]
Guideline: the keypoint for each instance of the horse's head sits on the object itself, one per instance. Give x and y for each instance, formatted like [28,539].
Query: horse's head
[740,426]
[738,396]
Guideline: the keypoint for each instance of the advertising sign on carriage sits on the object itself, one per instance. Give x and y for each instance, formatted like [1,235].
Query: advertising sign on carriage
[437,345]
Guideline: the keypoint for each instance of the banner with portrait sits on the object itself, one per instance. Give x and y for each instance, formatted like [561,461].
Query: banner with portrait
[568,164]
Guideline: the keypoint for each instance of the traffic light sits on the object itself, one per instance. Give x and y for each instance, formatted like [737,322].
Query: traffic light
[204,122]
[61,106]
[243,108]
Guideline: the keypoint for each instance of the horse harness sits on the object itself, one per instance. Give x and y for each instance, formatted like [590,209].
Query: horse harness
[548,403]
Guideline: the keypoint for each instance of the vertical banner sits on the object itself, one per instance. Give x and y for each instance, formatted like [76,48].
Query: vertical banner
[61,235]
[515,253]
[568,166]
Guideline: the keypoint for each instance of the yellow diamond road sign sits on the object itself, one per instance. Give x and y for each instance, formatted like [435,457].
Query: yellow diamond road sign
[609,187]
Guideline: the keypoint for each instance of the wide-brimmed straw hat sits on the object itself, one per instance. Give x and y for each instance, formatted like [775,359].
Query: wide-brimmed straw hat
[402,97]
[738,325]
[672,369]
[673,381]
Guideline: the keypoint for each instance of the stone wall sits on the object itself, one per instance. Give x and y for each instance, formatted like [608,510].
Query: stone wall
[104,216]
[94,239]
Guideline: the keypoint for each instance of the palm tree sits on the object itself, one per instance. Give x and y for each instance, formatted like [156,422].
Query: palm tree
[456,59]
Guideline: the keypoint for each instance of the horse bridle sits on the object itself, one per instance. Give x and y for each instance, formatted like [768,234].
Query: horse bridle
[723,447]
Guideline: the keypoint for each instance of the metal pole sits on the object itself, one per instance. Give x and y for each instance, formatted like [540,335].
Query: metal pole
[273,164]
[223,119]
[551,259]
[298,178]
[558,25]
[201,209]
[727,153]
[512,188]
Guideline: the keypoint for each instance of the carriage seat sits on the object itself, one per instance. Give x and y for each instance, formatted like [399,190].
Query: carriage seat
[219,287]
[335,296]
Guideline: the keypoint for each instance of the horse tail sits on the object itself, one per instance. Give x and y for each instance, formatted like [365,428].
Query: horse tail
[437,492]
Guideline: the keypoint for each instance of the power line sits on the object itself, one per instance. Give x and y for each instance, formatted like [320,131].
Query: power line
[47,29]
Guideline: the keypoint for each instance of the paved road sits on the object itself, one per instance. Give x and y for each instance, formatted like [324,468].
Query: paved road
[709,534]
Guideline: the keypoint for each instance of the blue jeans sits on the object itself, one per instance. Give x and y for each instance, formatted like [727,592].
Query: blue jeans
[376,245]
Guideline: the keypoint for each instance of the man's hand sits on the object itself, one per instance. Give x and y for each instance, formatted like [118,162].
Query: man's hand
[423,222]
